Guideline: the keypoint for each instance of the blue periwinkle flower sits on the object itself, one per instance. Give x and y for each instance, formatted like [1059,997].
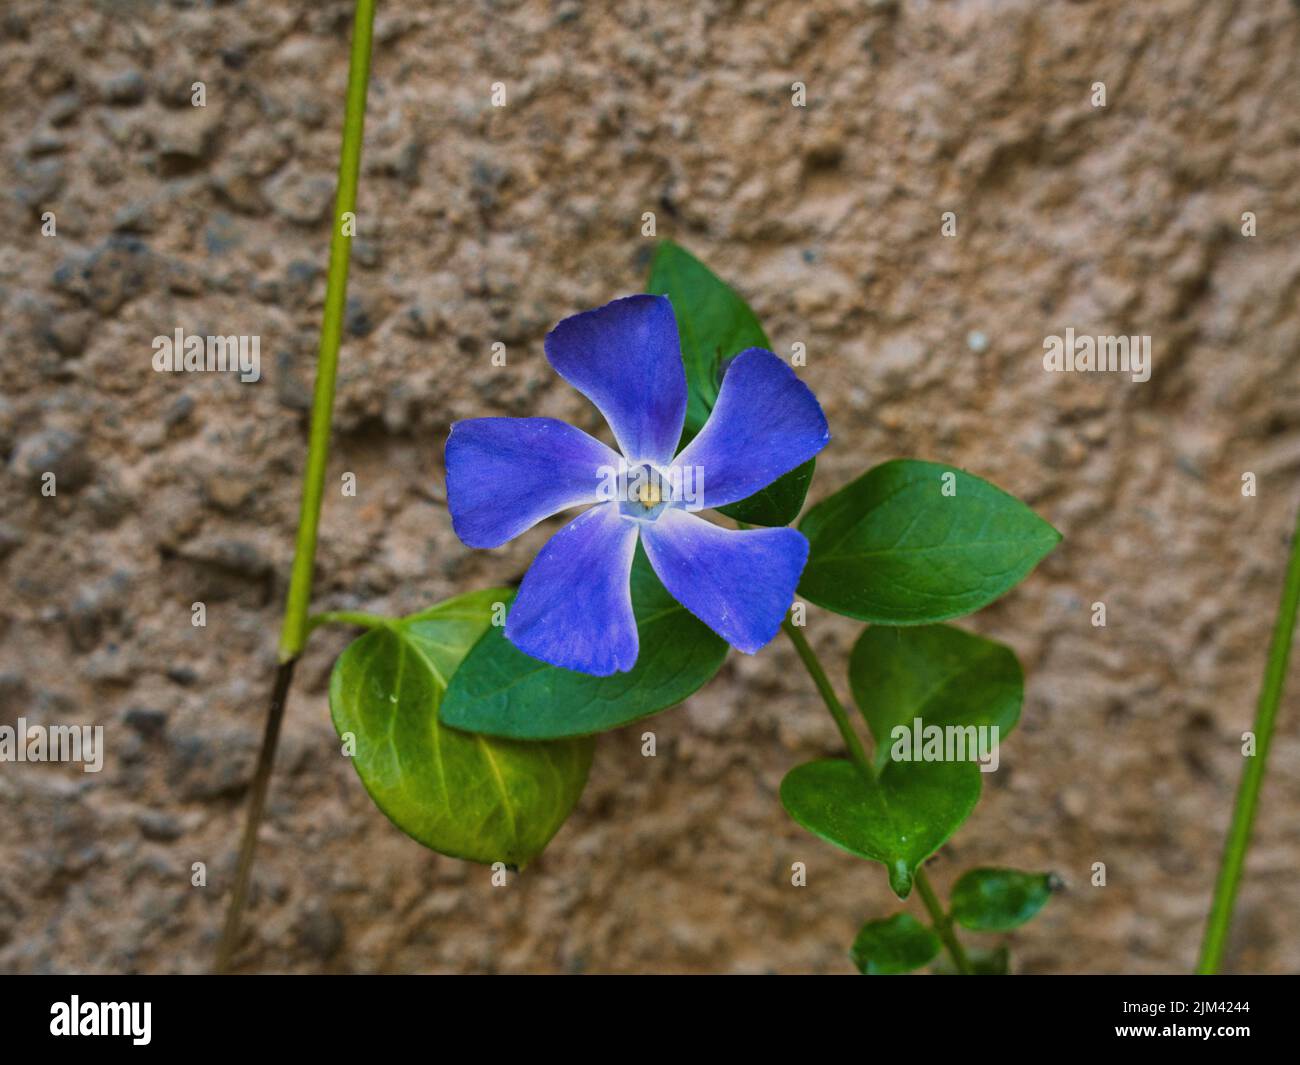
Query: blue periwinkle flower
[574,607]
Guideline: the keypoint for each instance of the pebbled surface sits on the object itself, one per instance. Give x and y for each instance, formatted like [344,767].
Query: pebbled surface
[482,225]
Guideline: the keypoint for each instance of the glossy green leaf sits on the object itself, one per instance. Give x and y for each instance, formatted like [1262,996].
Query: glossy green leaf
[894,549]
[937,673]
[984,961]
[500,691]
[777,504]
[898,944]
[899,818]
[466,796]
[997,900]
[714,324]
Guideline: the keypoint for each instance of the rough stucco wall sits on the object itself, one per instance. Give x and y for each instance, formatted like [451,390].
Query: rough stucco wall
[482,224]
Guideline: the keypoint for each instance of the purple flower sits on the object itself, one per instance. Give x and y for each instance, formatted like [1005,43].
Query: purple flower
[574,607]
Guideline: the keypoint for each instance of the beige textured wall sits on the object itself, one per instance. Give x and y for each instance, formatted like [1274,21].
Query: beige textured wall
[482,224]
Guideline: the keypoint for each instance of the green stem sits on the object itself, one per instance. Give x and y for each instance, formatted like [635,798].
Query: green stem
[832,701]
[347,617]
[942,924]
[293,633]
[1252,776]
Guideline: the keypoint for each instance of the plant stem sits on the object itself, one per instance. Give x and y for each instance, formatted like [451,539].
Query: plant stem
[293,633]
[256,804]
[827,692]
[347,617]
[1252,776]
[942,925]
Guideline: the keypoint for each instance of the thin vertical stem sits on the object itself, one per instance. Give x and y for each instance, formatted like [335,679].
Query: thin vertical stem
[1252,775]
[256,804]
[827,691]
[942,924]
[294,631]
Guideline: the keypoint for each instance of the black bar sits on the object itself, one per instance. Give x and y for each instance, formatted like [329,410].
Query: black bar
[463,1015]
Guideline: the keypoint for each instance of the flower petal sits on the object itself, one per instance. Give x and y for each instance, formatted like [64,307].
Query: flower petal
[740,583]
[625,357]
[765,423]
[574,608]
[504,475]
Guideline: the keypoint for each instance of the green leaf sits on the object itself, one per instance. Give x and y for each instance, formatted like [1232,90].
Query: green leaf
[461,795]
[938,673]
[777,504]
[894,549]
[997,900]
[898,944]
[501,691]
[990,961]
[899,818]
[714,324]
